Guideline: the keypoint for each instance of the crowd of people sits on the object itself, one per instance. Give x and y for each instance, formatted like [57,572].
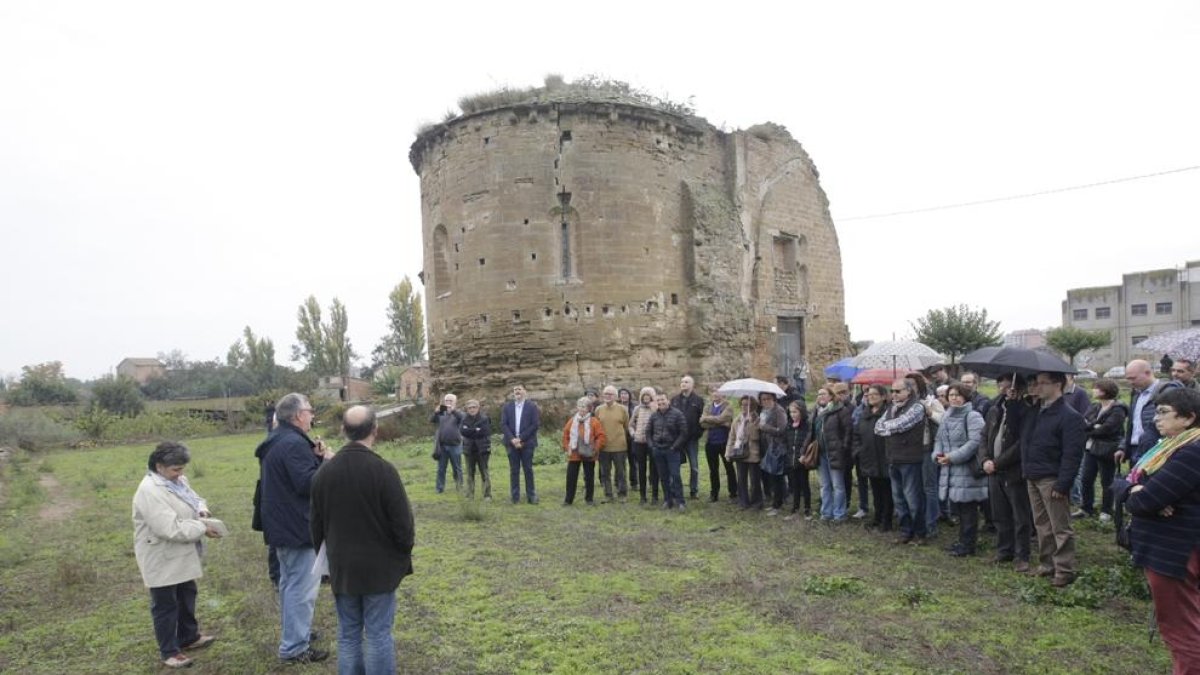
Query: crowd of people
[921,452]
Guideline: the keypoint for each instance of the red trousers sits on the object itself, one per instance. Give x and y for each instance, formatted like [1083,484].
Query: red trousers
[1177,610]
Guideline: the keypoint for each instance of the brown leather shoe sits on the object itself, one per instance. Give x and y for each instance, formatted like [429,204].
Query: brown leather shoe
[1042,572]
[1021,567]
[1062,580]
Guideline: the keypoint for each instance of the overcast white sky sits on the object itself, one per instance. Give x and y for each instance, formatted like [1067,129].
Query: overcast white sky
[171,172]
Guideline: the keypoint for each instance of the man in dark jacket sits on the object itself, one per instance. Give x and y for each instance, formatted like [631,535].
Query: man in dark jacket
[290,460]
[668,436]
[1052,441]
[1142,434]
[519,422]
[903,430]
[691,404]
[361,514]
[979,402]
[1001,453]
[448,440]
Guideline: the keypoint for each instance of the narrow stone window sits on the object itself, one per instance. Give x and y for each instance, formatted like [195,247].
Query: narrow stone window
[588,310]
[606,310]
[547,312]
[456,248]
[533,256]
[526,221]
[674,298]
[651,307]
[486,140]
[510,285]
[566,236]
[516,316]
[481,261]
[483,318]
[566,136]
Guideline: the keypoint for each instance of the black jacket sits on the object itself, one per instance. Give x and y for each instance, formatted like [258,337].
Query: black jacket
[668,430]
[867,447]
[692,407]
[360,511]
[1010,414]
[287,470]
[1052,441]
[477,434]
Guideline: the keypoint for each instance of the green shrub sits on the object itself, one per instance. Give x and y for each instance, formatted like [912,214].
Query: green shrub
[158,426]
[1092,588]
[34,430]
[832,585]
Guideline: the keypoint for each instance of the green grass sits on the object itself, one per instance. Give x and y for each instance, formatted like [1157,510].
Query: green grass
[521,589]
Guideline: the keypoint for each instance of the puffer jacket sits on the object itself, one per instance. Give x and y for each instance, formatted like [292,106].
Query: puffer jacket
[958,438]
[476,431]
[868,448]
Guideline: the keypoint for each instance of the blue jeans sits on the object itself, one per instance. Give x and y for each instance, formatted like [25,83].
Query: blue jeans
[668,462]
[833,490]
[297,598]
[693,454]
[931,474]
[519,460]
[908,494]
[453,455]
[372,616]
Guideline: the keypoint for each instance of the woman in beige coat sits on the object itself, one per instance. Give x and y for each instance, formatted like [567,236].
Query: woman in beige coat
[168,535]
[742,449]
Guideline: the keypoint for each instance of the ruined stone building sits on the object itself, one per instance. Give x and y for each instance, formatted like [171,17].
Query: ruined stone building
[576,243]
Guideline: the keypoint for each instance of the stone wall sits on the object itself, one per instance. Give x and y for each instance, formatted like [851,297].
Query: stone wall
[682,246]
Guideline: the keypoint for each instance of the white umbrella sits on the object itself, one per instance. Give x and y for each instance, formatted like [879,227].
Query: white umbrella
[749,387]
[898,355]
[1178,344]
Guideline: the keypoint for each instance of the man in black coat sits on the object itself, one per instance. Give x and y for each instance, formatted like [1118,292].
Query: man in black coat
[691,404]
[361,514]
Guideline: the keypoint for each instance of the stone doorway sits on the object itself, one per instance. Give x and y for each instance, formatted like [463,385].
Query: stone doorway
[789,344]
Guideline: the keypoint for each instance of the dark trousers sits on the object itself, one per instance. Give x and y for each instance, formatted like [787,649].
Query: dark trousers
[881,494]
[272,566]
[521,460]
[633,467]
[589,480]
[749,480]
[1106,467]
[715,456]
[173,609]
[862,486]
[668,462]
[1012,516]
[646,470]
[478,461]
[779,489]
[608,462]
[801,489]
[968,524]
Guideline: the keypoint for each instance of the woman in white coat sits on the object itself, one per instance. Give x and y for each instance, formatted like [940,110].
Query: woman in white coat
[168,544]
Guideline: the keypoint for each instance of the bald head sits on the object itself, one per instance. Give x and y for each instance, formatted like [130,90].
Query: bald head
[358,424]
[1139,373]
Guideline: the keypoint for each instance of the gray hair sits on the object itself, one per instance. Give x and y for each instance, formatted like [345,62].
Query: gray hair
[168,453]
[289,407]
[584,402]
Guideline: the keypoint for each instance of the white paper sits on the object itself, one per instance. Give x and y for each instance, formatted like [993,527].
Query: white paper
[320,566]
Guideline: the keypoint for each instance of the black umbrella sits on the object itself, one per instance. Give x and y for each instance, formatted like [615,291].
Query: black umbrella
[997,361]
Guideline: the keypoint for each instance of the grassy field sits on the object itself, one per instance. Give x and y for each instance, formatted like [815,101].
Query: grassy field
[512,589]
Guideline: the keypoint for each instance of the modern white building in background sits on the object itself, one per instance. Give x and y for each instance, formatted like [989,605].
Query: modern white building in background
[1144,304]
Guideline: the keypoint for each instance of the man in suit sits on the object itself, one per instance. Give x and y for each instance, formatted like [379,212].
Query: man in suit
[1141,434]
[519,421]
[360,512]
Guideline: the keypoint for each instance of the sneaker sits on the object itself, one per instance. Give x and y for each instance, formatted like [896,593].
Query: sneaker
[859,514]
[808,516]
[1079,513]
[773,512]
[200,642]
[902,540]
[309,655]
[1062,580]
[179,660]
[1021,567]
[791,516]
[682,507]
[1105,518]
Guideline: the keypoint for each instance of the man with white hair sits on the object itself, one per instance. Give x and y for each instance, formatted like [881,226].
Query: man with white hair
[290,461]
[448,441]
[614,417]
[691,404]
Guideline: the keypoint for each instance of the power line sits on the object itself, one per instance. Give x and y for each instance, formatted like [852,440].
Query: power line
[1026,195]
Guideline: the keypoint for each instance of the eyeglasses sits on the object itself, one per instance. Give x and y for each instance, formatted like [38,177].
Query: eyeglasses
[899,391]
[1164,412]
[309,410]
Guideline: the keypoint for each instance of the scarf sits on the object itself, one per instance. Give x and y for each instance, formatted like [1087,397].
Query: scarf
[180,489]
[581,421]
[739,439]
[1155,457]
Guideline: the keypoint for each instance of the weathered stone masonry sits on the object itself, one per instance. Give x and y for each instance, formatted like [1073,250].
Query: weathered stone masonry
[578,243]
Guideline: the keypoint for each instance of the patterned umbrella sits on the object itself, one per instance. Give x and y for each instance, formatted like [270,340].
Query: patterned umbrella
[748,386]
[1178,344]
[898,355]
[879,375]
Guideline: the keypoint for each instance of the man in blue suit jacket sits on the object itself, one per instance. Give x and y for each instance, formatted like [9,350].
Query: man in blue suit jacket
[519,420]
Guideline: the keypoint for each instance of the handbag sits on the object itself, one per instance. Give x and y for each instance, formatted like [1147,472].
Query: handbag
[736,453]
[809,458]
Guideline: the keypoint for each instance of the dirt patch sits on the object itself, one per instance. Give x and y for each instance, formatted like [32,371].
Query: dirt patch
[58,506]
